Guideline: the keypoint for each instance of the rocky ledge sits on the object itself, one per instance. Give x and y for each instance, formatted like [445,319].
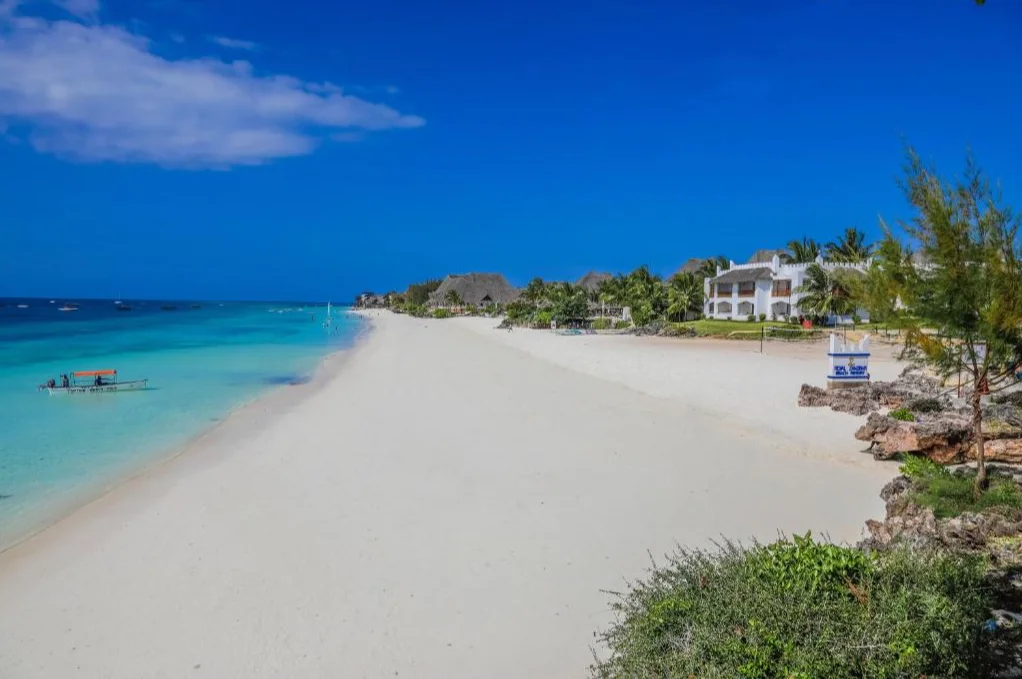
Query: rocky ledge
[946,437]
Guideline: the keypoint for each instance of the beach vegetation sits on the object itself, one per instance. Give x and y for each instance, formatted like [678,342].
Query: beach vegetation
[802,608]
[802,251]
[418,294]
[684,297]
[951,493]
[622,325]
[968,288]
[602,324]
[850,247]
[710,266]
[441,313]
[542,318]
[452,298]
[826,293]
[903,414]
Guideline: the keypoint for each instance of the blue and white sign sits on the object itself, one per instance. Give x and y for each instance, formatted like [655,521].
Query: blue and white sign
[849,362]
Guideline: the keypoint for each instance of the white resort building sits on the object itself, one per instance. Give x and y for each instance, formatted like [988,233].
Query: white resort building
[765,289]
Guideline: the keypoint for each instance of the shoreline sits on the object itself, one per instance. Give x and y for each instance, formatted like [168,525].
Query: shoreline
[441,501]
[276,396]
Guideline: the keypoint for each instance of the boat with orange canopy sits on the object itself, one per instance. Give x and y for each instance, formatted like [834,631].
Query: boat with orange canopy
[91,382]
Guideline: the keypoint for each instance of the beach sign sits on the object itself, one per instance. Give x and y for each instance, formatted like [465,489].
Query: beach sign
[849,362]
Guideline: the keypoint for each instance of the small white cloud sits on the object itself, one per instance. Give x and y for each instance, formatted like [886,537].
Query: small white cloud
[83,9]
[177,37]
[97,92]
[231,43]
[393,89]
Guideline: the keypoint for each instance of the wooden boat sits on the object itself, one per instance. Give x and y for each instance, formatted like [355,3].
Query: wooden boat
[92,382]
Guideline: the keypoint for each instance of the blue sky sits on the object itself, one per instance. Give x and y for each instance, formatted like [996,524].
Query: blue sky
[272,150]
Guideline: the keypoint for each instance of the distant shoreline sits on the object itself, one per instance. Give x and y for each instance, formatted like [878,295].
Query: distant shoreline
[277,398]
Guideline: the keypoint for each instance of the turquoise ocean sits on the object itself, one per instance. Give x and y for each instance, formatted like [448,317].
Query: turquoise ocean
[202,361]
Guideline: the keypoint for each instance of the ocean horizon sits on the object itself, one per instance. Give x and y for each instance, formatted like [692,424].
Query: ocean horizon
[202,359]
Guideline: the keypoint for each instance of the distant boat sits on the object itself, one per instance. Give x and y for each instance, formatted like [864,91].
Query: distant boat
[92,382]
[122,307]
[196,306]
[53,301]
[22,306]
[69,306]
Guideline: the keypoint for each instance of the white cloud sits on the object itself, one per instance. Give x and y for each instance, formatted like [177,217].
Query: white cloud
[99,93]
[393,89]
[84,9]
[233,44]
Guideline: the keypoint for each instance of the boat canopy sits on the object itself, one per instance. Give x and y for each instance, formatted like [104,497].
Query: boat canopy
[93,373]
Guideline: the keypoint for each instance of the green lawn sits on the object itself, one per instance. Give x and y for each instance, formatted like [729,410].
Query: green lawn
[715,328]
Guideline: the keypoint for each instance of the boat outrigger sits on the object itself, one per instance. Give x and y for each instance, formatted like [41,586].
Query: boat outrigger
[91,382]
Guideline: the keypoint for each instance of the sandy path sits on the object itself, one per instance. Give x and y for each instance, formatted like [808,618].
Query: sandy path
[445,506]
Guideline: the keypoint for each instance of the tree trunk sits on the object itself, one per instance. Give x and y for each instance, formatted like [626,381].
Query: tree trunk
[977,433]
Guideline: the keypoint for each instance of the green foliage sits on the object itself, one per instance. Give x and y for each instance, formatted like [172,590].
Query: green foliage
[452,298]
[762,318]
[571,304]
[542,319]
[903,414]
[826,292]
[802,609]
[684,296]
[950,494]
[601,324]
[970,291]
[418,293]
[520,310]
[622,325]
[851,247]
[441,313]
[751,318]
[802,252]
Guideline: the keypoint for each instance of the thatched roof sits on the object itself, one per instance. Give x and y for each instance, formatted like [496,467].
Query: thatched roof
[476,289]
[764,256]
[758,273]
[591,281]
[693,265]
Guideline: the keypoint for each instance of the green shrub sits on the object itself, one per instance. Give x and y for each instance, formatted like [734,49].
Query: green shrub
[802,609]
[925,405]
[541,319]
[751,318]
[762,318]
[622,325]
[601,324]
[903,414]
[441,313]
[950,494]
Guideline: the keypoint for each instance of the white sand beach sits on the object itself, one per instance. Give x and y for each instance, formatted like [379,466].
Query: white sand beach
[449,500]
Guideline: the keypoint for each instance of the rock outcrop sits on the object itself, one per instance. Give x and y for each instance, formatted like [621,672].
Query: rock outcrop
[946,437]
[911,389]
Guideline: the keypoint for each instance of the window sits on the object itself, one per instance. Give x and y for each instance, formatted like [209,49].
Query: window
[710,310]
[724,308]
[723,289]
[747,289]
[745,309]
[782,288]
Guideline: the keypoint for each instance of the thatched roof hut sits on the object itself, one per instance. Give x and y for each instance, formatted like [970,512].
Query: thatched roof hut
[476,289]
[591,281]
[764,256]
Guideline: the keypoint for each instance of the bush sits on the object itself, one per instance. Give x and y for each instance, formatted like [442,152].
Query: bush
[441,313]
[762,318]
[751,318]
[925,405]
[903,414]
[950,494]
[542,319]
[803,609]
[622,325]
[601,324]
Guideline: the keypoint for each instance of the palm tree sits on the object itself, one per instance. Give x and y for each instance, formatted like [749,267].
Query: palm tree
[452,298]
[825,293]
[850,247]
[684,296]
[709,267]
[534,291]
[803,251]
